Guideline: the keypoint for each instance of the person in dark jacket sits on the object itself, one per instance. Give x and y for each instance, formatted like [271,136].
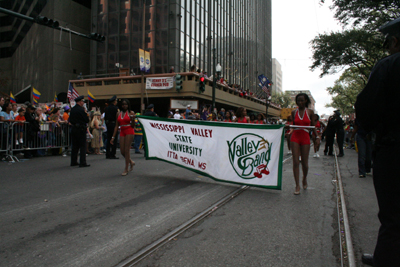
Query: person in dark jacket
[79,120]
[329,133]
[110,117]
[377,111]
[339,129]
[32,129]
[150,111]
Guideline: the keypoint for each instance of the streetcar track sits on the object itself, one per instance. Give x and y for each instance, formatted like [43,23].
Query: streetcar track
[347,257]
[146,251]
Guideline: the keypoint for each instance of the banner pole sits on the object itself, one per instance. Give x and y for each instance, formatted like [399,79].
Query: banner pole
[143,43]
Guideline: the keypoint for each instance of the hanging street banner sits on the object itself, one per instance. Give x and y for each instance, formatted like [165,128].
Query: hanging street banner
[248,154]
[147,63]
[160,83]
[141,60]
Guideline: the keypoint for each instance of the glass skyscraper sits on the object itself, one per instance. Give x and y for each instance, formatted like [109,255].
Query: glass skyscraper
[183,33]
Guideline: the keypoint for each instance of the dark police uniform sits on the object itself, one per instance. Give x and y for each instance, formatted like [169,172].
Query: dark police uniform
[79,119]
[377,110]
[339,128]
[330,135]
[148,112]
[110,117]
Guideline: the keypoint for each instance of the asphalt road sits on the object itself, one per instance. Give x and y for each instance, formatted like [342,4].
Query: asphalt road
[56,215]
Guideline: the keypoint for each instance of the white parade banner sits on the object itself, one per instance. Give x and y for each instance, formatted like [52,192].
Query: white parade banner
[249,154]
[160,83]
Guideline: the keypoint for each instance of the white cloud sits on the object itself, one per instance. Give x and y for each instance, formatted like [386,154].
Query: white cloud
[294,24]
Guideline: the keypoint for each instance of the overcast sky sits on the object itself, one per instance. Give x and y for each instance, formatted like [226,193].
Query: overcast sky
[294,24]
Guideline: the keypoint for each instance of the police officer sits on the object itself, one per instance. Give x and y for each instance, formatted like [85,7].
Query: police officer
[329,132]
[110,116]
[78,119]
[150,111]
[377,110]
[339,128]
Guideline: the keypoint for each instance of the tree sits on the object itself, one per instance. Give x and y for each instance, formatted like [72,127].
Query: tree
[360,46]
[345,91]
[351,48]
[282,99]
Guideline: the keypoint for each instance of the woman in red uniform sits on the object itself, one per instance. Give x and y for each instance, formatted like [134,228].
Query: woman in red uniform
[125,120]
[228,116]
[318,128]
[288,132]
[260,119]
[241,116]
[300,139]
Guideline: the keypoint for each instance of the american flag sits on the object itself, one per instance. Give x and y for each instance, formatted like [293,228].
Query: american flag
[265,89]
[72,93]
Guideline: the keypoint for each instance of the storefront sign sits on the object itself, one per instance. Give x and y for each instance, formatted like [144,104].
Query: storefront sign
[160,83]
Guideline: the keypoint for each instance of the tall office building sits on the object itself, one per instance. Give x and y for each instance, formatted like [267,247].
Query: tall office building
[178,33]
[33,55]
[182,34]
[276,77]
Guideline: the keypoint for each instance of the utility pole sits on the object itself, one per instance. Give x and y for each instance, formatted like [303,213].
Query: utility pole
[143,44]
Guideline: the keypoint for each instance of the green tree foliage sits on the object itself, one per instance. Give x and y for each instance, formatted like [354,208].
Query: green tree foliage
[351,48]
[355,49]
[368,14]
[282,99]
[360,45]
[345,91]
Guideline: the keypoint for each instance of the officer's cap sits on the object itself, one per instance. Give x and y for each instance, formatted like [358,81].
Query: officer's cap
[31,107]
[112,99]
[79,98]
[150,106]
[392,27]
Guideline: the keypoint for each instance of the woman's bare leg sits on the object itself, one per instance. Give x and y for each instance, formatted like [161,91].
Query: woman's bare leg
[122,146]
[127,146]
[296,171]
[304,151]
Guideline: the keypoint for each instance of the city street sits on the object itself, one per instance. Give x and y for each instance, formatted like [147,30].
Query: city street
[56,215]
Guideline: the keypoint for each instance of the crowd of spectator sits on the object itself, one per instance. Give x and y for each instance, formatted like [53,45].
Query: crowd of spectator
[222,115]
[236,87]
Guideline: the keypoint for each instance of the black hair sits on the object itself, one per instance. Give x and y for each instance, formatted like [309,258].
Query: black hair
[240,112]
[316,115]
[127,101]
[305,97]
[5,106]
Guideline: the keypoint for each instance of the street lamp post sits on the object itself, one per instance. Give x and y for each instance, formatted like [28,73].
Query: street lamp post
[216,73]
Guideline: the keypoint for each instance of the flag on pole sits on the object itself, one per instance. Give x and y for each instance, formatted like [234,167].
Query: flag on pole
[264,84]
[90,96]
[12,98]
[55,97]
[72,93]
[36,95]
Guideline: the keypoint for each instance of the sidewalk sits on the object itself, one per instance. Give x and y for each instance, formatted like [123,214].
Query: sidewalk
[362,206]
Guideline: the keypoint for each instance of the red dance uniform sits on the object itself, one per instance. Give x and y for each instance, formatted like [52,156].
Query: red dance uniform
[301,136]
[242,120]
[125,124]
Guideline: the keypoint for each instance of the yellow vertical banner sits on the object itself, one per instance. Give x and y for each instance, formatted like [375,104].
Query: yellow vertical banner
[147,61]
[141,59]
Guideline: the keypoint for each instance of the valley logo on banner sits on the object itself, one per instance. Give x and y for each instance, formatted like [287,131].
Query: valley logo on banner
[249,154]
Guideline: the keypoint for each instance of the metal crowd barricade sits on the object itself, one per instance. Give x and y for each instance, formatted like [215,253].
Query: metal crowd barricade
[5,145]
[50,136]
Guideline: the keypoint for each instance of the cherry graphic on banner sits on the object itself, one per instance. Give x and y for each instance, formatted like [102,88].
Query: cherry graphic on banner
[262,169]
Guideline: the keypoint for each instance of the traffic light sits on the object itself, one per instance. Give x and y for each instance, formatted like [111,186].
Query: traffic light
[178,82]
[97,37]
[202,85]
[46,21]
